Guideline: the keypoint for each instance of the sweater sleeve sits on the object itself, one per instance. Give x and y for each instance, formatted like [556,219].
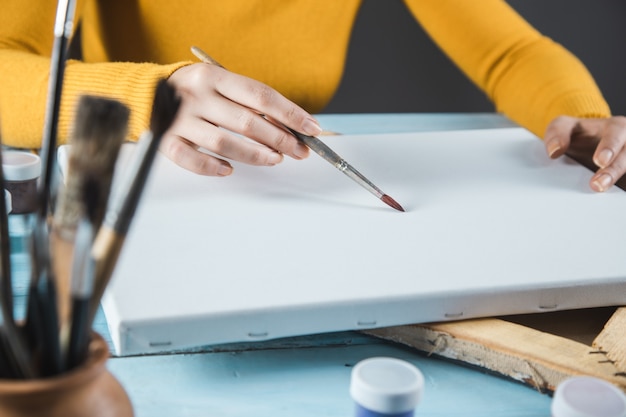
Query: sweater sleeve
[26,39]
[528,77]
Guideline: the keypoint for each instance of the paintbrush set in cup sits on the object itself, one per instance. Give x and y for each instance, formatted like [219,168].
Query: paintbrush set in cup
[78,230]
[75,245]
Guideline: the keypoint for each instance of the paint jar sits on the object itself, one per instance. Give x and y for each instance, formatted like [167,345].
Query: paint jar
[21,173]
[386,387]
[585,396]
[88,390]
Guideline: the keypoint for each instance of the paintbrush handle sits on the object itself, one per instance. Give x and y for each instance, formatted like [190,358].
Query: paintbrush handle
[105,251]
[62,252]
[337,161]
[79,334]
[63,28]
[49,345]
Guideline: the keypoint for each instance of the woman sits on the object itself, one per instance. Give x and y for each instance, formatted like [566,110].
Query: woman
[286,60]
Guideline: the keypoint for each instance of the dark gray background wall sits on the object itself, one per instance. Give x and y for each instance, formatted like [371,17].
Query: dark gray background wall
[394,67]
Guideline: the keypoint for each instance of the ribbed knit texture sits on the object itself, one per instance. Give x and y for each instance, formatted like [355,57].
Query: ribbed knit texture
[298,47]
[529,77]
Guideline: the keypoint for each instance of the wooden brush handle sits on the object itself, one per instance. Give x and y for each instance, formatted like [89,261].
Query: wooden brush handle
[62,253]
[106,249]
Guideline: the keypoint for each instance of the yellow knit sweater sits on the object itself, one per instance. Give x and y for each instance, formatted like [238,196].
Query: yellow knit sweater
[297,46]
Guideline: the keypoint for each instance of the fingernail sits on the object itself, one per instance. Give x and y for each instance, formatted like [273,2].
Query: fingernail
[602,182]
[275,158]
[301,151]
[224,170]
[554,148]
[603,158]
[311,127]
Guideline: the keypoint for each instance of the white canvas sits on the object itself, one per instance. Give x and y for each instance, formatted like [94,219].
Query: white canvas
[492,227]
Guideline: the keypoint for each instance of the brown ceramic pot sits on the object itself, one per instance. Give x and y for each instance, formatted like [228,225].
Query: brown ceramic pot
[89,390]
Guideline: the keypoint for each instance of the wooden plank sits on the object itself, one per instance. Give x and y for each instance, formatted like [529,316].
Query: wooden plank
[531,356]
[612,340]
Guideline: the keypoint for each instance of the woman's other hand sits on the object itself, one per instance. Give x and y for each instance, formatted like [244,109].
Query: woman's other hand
[565,133]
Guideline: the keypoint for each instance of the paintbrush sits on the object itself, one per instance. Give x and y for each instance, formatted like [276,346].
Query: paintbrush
[42,321]
[63,27]
[83,270]
[100,127]
[321,149]
[41,307]
[110,237]
[338,162]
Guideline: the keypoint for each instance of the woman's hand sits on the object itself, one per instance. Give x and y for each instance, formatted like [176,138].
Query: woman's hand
[217,105]
[565,133]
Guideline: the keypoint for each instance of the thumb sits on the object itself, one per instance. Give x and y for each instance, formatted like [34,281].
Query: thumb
[557,137]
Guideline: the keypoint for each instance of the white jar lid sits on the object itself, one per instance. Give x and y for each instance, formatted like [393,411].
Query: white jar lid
[20,165]
[585,396]
[8,201]
[386,385]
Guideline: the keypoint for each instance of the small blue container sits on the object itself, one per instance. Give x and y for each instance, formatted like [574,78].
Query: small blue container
[386,387]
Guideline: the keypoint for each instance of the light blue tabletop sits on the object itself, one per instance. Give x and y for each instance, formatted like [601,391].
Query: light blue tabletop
[309,375]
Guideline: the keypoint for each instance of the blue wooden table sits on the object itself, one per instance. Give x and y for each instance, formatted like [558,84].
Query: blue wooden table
[309,375]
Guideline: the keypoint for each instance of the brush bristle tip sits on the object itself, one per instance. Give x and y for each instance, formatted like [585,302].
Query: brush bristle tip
[392,203]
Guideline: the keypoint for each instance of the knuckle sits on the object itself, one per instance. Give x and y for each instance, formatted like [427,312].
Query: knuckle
[619,120]
[619,165]
[199,75]
[293,115]
[563,119]
[616,169]
[264,95]
[281,141]
[174,149]
[218,142]
[256,157]
[246,122]
[204,165]
[561,122]
[559,128]
[613,133]
[182,154]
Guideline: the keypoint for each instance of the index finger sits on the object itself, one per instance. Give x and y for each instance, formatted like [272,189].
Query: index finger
[612,141]
[265,100]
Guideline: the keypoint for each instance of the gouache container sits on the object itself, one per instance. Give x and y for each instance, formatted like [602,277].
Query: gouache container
[7,201]
[21,173]
[383,386]
[585,396]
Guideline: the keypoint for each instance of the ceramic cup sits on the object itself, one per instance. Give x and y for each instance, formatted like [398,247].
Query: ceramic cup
[88,390]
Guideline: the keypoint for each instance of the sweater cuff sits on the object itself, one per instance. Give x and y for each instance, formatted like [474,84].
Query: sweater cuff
[576,105]
[131,83]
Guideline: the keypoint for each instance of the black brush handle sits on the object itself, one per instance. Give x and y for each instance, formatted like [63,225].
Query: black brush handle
[79,334]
